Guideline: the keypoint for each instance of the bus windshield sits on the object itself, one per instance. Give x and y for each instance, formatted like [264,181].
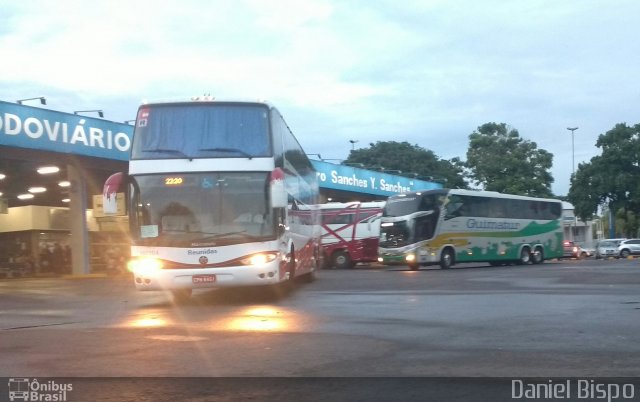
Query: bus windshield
[420,212]
[201,209]
[207,130]
[407,205]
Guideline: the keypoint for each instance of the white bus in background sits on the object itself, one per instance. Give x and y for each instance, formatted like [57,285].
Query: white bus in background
[350,232]
[455,226]
[212,192]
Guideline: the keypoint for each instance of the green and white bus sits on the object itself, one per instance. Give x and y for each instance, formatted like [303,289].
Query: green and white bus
[449,226]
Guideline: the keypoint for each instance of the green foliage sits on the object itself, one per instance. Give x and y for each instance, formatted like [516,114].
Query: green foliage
[612,178]
[583,193]
[410,160]
[499,160]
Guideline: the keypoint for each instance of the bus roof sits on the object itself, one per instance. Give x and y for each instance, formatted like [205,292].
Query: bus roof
[353,204]
[476,193]
[205,99]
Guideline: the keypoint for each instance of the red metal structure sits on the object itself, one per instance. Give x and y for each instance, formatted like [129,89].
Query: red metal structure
[350,232]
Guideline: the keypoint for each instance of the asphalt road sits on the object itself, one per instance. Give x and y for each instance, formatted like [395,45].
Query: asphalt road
[560,319]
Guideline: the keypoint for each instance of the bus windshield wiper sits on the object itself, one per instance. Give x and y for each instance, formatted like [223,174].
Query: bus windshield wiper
[236,150]
[169,151]
[219,235]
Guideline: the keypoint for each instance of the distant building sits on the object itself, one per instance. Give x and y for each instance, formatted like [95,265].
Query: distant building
[574,229]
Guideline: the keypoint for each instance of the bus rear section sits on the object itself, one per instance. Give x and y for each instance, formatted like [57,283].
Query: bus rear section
[350,233]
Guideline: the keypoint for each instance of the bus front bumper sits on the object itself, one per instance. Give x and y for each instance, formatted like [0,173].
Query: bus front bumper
[172,279]
[419,256]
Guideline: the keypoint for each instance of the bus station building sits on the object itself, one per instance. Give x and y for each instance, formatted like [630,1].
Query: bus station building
[52,169]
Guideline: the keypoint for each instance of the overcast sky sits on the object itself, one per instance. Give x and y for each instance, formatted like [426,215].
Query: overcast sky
[425,72]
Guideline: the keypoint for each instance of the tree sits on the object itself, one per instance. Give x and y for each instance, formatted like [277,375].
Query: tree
[611,179]
[410,160]
[499,160]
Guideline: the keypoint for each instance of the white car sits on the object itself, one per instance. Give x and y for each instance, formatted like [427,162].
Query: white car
[629,247]
[588,251]
[607,248]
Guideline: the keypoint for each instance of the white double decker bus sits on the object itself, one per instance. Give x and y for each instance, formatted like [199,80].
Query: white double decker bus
[212,194]
[456,226]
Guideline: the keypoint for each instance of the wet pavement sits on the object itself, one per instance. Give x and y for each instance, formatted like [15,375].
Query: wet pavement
[564,318]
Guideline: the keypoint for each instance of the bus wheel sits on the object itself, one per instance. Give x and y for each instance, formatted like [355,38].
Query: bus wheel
[414,266]
[446,259]
[341,260]
[309,277]
[313,275]
[538,256]
[525,256]
[181,295]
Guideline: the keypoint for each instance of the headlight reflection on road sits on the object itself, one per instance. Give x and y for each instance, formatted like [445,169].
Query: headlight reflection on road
[258,319]
[147,321]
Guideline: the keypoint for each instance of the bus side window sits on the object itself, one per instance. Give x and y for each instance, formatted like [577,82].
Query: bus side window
[339,219]
[453,210]
[498,208]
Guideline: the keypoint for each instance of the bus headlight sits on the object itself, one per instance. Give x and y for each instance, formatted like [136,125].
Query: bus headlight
[410,258]
[259,259]
[144,266]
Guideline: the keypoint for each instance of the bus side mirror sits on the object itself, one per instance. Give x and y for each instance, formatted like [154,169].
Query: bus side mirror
[278,193]
[113,195]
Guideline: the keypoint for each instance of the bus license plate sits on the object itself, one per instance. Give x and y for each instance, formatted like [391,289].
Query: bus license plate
[203,279]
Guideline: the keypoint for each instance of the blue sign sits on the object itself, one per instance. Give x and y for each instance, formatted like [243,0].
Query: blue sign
[347,178]
[47,130]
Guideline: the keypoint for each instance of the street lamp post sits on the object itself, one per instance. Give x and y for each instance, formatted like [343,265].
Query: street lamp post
[573,164]
[573,154]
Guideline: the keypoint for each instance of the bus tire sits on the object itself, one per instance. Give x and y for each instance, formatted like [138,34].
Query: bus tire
[181,295]
[525,256]
[538,256]
[313,274]
[446,258]
[309,277]
[342,260]
[414,266]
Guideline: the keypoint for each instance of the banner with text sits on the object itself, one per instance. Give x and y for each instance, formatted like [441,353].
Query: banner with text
[48,130]
[348,178]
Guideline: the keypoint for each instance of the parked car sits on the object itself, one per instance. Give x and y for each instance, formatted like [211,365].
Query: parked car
[607,248]
[588,251]
[572,250]
[629,247]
